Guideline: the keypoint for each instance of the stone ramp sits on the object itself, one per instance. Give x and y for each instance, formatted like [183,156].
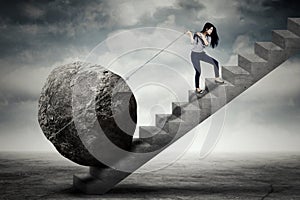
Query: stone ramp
[185,116]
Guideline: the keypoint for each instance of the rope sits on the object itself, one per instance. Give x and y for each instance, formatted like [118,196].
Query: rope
[127,78]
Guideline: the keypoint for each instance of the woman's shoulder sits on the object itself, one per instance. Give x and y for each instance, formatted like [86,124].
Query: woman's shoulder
[207,36]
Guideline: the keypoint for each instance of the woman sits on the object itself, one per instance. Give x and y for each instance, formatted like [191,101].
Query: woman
[208,36]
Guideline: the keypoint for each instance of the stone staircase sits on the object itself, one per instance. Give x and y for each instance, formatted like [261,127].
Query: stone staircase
[186,115]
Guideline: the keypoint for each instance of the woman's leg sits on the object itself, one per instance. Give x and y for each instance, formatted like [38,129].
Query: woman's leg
[196,64]
[206,58]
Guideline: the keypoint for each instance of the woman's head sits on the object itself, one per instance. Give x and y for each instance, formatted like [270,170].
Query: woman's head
[211,30]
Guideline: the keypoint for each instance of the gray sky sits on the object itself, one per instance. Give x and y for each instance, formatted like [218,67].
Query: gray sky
[37,36]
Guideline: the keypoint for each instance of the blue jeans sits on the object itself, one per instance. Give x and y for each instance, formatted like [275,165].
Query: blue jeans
[196,57]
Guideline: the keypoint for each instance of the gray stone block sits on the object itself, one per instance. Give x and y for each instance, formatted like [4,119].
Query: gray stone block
[139,145]
[208,104]
[285,39]
[294,25]
[160,141]
[187,112]
[271,52]
[237,75]
[177,107]
[194,98]
[148,131]
[89,184]
[157,141]
[224,92]
[180,129]
[167,122]
[254,64]
[108,173]
[162,119]
[192,95]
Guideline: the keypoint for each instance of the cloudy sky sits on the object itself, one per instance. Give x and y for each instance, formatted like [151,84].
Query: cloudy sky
[38,35]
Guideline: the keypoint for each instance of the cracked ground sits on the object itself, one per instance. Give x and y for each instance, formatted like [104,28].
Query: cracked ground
[218,176]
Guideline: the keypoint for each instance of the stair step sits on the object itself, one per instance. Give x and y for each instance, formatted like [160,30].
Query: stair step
[254,64]
[192,95]
[268,51]
[237,75]
[285,39]
[271,52]
[163,121]
[211,84]
[148,131]
[224,92]
[293,25]
[208,105]
[203,101]
[185,105]
[179,129]
[173,125]
[139,145]
[175,129]
[187,112]
[104,173]
[218,89]
[178,106]
[157,140]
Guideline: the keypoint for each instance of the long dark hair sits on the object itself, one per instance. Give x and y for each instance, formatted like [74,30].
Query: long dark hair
[214,35]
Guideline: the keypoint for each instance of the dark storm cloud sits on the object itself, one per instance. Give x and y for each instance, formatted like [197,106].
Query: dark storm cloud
[47,12]
[30,24]
[253,7]
[191,5]
[267,14]
[27,22]
[288,5]
[40,33]
[48,30]
[183,12]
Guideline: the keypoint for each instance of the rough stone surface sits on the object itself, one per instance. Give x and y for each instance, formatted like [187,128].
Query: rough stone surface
[68,92]
[238,176]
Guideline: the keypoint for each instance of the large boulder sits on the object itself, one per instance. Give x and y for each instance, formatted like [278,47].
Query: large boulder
[67,92]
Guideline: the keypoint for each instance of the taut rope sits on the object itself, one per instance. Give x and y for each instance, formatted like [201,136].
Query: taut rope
[154,56]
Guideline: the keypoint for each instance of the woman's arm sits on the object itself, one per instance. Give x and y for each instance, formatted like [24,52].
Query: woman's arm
[203,38]
[191,36]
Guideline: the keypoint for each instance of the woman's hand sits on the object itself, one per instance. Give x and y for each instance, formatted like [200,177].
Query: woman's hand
[189,33]
[203,38]
[191,36]
[201,35]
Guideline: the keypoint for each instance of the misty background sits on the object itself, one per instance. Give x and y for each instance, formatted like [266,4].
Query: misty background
[37,36]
